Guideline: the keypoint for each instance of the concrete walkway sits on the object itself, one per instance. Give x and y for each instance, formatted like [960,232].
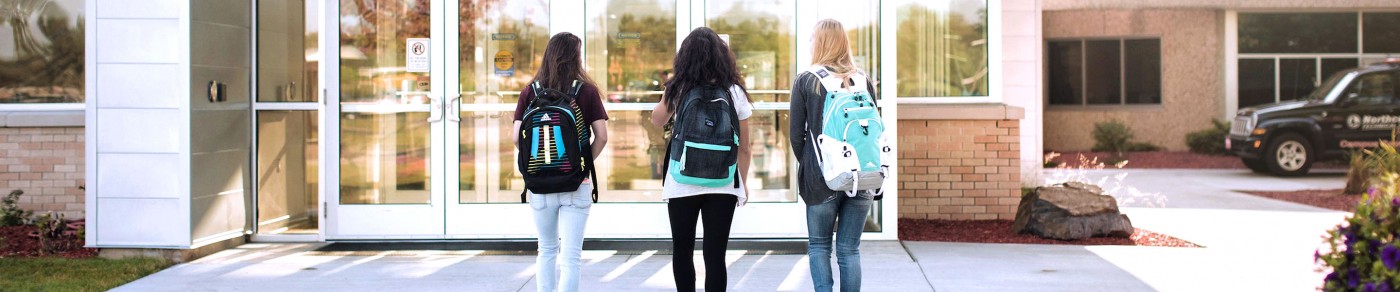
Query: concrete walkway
[1251,244]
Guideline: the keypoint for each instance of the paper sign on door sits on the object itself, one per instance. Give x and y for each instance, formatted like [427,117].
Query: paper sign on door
[417,55]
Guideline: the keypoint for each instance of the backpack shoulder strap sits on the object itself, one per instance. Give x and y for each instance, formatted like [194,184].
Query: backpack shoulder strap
[858,81]
[535,87]
[575,88]
[828,79]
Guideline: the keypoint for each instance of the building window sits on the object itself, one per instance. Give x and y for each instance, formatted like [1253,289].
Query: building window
[1121,71]
[41,53]
[1284,56]
[942,48]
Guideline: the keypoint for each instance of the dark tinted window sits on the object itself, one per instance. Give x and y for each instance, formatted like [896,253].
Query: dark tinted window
[1103,72]
[1143,64]
[1296,78]
[1256,82]
[1065,72]
[1297,32]
[1381,32]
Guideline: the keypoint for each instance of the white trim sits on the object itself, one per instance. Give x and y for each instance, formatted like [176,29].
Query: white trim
[34,107]
[1232,65]
[889,30]
[285,106]
[90,125]
[329,134]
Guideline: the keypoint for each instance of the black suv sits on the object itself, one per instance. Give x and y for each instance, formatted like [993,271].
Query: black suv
[1355,108]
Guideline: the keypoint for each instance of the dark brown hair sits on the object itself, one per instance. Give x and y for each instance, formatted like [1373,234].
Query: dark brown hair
[703,59]
[562,63]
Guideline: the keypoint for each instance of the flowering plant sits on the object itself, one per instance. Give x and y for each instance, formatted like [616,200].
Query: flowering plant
[1364,254]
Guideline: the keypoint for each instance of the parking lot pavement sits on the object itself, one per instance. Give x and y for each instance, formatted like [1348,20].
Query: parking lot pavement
[1203,188]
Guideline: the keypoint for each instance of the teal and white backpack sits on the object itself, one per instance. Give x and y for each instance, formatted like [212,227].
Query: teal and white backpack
[852,149]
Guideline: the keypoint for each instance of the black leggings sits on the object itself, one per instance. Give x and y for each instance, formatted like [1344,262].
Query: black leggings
[719,215]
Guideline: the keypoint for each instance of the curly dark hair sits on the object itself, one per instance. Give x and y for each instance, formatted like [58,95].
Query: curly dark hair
[703,59]
[562,63]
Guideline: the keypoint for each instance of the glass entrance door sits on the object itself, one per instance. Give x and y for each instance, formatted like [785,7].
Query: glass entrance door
[418,139]
[385,114]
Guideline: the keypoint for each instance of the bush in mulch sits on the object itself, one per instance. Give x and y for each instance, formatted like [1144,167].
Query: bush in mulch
[25,241]
[999,231]
[43,235]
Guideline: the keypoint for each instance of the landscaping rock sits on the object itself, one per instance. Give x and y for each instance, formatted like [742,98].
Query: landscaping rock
[1071,211]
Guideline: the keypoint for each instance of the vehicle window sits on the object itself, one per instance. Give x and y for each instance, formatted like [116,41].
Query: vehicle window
[1373,88]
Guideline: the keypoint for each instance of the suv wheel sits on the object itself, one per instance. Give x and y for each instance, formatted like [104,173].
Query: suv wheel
[1288,155]
[1255,165]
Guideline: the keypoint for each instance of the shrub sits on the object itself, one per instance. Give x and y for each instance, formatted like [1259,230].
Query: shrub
[10,213]
[1111,136]
[51,231]
[1209,141]
[1142,147]
[1364,253]
[1367,165]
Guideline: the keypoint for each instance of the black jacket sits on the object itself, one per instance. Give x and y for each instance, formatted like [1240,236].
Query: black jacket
[806,122]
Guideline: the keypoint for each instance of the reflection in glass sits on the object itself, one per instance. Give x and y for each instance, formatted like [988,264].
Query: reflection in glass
[384,158]
[1381,32]
[287,168]
[288,55]
[862,22]
[1297,32]
[1103,73]
[942,48]
[639,43]
[383,149]
[466,161]
[500,47]
[762,38]
[41,51]
[1256,82]
[1065,72]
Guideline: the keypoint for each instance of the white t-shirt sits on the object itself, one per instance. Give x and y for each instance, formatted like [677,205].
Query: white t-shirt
[673,189]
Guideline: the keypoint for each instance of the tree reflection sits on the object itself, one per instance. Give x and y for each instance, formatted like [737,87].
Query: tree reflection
[43,63]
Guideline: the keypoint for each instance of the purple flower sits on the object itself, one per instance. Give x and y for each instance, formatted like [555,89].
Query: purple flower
[1383,287]
[1317,256]
[1373,246]
[1395,202]
[1371,192]
[1353,278]
[1370,287]
[1390,256]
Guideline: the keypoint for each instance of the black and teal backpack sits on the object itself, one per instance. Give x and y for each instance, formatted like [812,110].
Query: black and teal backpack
[704,145]
[555,148]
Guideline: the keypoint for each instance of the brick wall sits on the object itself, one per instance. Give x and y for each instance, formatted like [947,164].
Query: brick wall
[959,169]
[47,163]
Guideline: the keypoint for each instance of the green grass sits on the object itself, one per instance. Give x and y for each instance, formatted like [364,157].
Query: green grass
[62,274]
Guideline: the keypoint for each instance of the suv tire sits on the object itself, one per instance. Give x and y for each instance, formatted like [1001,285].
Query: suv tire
[1255,165]
[1289,154]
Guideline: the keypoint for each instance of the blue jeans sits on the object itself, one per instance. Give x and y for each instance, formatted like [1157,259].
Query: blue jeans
[560,215]
[847,216]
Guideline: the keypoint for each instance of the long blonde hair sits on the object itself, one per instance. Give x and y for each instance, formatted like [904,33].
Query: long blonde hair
[831,48]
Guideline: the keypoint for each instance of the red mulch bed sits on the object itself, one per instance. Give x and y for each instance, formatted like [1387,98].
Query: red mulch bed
[16,241]
[1330,199]
[1172,160]
[999,231]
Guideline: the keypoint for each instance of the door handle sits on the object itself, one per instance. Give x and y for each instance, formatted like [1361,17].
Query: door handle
[434,109]
[454,112]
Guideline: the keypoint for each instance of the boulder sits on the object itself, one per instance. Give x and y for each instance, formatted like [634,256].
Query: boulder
[1071,211]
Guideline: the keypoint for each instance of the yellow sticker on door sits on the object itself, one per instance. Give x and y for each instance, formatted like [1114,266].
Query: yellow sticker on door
[505,64]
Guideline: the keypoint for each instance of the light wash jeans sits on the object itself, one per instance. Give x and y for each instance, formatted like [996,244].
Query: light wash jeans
[847,216]
[560,216]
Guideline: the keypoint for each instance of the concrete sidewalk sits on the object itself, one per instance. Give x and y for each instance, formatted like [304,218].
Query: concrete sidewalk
[297,267]
[1250,244]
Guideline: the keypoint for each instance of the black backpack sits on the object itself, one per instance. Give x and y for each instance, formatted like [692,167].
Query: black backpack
[555,150]
[704,145]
